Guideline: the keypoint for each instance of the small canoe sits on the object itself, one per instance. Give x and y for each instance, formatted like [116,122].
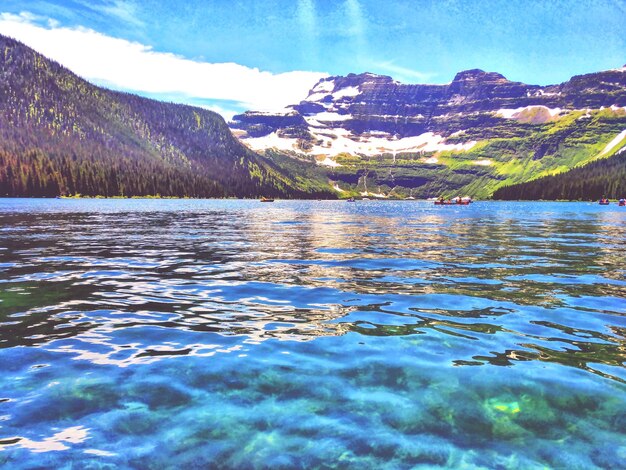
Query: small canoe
[266,199]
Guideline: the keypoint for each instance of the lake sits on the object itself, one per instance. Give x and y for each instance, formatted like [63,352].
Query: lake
[298,334]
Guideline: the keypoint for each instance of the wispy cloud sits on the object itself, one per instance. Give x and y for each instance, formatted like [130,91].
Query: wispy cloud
[122,10]
[357,26]
[404,74]
[135,67]
[125,11]
[307,20]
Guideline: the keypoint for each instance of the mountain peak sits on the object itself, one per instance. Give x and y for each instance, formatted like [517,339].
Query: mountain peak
[335,88]
[369,76]
[478,75]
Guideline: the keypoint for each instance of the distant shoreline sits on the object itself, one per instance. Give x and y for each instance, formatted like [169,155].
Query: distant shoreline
[360,199]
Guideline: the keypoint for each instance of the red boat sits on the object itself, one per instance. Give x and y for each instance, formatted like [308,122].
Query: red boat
[456,202]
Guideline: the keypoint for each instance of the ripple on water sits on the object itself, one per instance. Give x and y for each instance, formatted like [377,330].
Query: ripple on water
[374,335]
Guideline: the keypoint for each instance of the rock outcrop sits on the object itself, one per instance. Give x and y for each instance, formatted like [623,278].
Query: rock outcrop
[369,103]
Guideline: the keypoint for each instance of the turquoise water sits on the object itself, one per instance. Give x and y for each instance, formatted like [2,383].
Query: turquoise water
[234,334]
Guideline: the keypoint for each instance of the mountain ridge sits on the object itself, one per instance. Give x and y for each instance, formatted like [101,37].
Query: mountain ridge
[59,134]
[362,134]
[492,90]
[500,131]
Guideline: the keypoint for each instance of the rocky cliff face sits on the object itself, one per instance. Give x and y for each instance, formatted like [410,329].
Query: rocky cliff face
[368,103]
[474,134]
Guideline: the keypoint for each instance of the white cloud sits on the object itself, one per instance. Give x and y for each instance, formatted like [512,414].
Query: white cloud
[136,67]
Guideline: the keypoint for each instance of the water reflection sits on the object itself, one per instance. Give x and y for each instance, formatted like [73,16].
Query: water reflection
[58,441]
[505,282]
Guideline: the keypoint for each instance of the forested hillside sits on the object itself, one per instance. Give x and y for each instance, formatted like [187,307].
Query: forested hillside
[605,177]
[60,135]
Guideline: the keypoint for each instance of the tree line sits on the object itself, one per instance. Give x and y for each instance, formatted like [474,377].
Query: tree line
[601,178]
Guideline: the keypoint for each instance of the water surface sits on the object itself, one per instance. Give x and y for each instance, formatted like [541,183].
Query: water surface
[234,334]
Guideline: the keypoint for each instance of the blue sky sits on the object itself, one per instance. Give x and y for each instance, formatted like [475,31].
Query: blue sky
[287,45]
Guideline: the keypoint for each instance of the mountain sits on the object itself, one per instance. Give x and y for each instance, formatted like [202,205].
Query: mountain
[60,135]
[366,134]
[471,136]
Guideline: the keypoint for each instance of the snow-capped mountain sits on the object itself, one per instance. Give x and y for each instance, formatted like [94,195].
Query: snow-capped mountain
[370,114]
[471,136]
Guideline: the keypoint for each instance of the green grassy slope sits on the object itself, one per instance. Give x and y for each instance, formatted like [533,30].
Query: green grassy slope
[507,154]
[602,177]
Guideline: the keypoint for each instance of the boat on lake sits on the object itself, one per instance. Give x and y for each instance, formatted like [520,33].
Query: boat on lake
[462,201]
[604,202]
[621,202]
[266,199]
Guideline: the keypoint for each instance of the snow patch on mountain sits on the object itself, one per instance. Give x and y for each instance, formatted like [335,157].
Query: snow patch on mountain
[333,141]
[376,195]
[346,92]
[313,122]
[324,86]
[281,112]
[517,112]
[541,92]
[320,94]
[327,116]
[272,141]
[618,138]
[329,162]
